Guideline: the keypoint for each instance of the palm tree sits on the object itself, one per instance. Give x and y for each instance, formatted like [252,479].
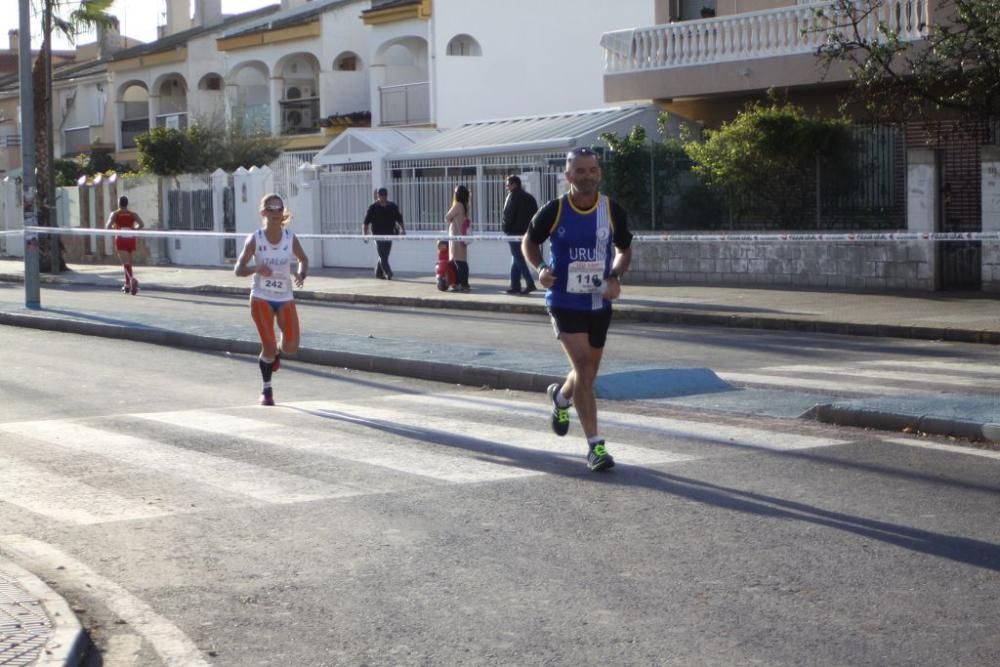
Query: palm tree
[87,15]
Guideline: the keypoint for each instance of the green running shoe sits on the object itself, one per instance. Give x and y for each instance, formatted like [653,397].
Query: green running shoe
[599,459]
[560,416]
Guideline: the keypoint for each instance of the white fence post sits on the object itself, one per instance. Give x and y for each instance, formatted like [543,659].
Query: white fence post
[304,206]
[220,180]
[13,217]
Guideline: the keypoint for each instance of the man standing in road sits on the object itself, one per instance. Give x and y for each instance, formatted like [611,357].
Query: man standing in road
[517,212]
[590,248]
[384,219]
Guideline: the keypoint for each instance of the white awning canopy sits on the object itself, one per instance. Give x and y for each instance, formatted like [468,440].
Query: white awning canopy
[362,144]
[556,132]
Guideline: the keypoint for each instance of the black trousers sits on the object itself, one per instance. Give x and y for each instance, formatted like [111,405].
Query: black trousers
[462,273]
[382,268]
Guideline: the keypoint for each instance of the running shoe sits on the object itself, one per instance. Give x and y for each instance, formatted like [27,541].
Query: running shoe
[598,458]
[560,416]
[135,287]
[267,397]
[125,288]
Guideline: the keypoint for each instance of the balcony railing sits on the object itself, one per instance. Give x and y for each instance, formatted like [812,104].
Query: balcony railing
[405,104]
[763,34]
[76,140]
[173,121]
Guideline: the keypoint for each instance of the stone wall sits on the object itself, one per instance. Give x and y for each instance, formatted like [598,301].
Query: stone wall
[891,265]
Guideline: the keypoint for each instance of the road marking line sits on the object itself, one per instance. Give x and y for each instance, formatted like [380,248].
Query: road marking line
[974,367]
[172,645]
[372,450]
[684,428]
[929,378]
[953,449]
[263,484]
[65,499]
[808,383]
[537,440]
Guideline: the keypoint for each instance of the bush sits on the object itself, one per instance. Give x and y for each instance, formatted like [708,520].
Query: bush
[203,149]
[764,163]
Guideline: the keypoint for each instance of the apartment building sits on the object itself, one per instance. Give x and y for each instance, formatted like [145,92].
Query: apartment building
[706,65]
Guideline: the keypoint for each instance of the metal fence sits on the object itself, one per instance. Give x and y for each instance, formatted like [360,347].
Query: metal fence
[423,190]
[284,169]
[189,209]
[663,192]
[344,197]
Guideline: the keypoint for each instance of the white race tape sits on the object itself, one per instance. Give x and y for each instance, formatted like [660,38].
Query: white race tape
[849,237]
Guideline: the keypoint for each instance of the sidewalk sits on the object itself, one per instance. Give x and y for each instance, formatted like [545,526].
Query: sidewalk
[936,316]
[32,616]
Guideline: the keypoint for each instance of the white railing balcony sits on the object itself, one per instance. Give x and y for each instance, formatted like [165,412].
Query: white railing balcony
[764,34]
[405,104]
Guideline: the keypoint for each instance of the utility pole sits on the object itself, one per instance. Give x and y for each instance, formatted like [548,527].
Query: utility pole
[32,298]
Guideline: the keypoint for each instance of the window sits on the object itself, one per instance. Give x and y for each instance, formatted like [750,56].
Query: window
[346,62]
[464,45]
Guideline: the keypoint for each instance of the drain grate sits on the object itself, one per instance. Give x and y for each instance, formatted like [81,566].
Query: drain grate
[24,625]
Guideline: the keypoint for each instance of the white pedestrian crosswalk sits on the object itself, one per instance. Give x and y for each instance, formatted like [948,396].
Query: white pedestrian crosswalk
[876,377]
[255,456]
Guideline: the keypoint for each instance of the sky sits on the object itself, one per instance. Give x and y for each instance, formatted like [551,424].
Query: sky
[138,18]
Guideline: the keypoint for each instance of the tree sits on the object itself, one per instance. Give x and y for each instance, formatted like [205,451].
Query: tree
[88,14]
[765,160]
[954,69]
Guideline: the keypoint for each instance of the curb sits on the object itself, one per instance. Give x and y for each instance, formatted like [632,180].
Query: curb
[68,642]
[436,371]
[893,421]
[623,311]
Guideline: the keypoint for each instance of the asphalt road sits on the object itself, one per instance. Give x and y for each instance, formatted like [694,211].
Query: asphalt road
[383,520]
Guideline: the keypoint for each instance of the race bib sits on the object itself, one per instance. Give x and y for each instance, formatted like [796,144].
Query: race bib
[585,277]
[276,284]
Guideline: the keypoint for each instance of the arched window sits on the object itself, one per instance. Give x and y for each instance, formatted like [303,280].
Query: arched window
[348,61]
[210,82]
[464,45]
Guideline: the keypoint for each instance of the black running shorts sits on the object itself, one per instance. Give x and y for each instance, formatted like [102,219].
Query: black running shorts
[594,323]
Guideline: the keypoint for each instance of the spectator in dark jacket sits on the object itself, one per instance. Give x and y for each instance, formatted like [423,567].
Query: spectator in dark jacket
[384,219]
[518,210]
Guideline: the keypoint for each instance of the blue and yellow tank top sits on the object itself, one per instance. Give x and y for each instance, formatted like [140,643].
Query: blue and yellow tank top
[582,249]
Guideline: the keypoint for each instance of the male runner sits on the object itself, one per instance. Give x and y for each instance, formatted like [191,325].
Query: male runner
[590,248]
[122,218]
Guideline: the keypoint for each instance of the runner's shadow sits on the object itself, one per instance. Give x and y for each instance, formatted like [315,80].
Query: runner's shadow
[964,550]
[960,549]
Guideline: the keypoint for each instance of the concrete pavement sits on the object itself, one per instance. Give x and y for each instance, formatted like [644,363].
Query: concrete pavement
[965,318]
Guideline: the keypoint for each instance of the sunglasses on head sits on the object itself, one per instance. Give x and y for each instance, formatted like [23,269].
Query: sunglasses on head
[582,151]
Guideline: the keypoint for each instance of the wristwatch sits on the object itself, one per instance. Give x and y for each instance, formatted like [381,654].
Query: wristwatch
[614,274]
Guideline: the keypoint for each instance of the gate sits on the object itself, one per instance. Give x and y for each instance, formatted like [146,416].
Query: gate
[344,197]
[190,210]
[959,188]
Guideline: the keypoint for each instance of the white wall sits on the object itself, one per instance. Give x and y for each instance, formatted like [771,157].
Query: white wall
[538,57]
[344,92]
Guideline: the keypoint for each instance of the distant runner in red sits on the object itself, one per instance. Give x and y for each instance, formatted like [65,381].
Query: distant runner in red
[124,219]
[271,248]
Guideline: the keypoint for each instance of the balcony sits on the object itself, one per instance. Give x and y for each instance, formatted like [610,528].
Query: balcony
[405,104]
[173,121]
[741,52]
